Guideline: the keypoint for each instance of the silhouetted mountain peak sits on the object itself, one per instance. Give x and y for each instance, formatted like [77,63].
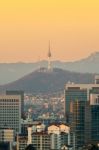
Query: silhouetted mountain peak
[13,71]
[46,81]
[93,57]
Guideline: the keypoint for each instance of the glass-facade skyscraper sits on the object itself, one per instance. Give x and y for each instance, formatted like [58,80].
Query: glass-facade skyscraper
[73,94]
[82,112]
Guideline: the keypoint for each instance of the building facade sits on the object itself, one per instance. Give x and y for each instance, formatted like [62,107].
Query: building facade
[82,112]
[22,140]
[20,93]
[10,112]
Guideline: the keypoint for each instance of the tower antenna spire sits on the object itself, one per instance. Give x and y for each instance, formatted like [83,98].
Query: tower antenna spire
[49,57]
[49,51]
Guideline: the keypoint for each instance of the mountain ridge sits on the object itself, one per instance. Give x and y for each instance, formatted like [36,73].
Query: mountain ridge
[44,81]
[14,71]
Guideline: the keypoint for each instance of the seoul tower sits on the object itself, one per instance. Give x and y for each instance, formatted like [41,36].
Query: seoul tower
[49,58]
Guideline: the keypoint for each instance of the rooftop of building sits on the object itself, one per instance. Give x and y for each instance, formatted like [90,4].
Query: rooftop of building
[40,133]
[81,86]
[59,124]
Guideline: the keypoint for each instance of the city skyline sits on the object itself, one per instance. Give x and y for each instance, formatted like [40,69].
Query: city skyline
[27,26]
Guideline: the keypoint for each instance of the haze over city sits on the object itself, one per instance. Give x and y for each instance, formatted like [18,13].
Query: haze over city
[49,75]
[27,26]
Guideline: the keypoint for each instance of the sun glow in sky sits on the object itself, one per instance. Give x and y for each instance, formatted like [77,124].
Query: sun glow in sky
[26,26]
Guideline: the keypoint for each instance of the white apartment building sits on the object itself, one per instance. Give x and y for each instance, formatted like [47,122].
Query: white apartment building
[54,137]
[62,132]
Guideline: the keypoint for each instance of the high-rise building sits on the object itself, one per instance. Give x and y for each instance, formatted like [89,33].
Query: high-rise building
[21,93]
[85,121]
[82,112]
[62,132]
[78,122]
[94,113]
[10,112]
[80,92]
[73,93]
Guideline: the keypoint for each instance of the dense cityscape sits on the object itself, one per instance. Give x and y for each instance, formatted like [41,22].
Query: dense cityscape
[64,120]
[49,74]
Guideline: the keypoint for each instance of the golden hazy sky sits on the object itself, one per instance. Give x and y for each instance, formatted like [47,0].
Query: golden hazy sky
[26,26]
